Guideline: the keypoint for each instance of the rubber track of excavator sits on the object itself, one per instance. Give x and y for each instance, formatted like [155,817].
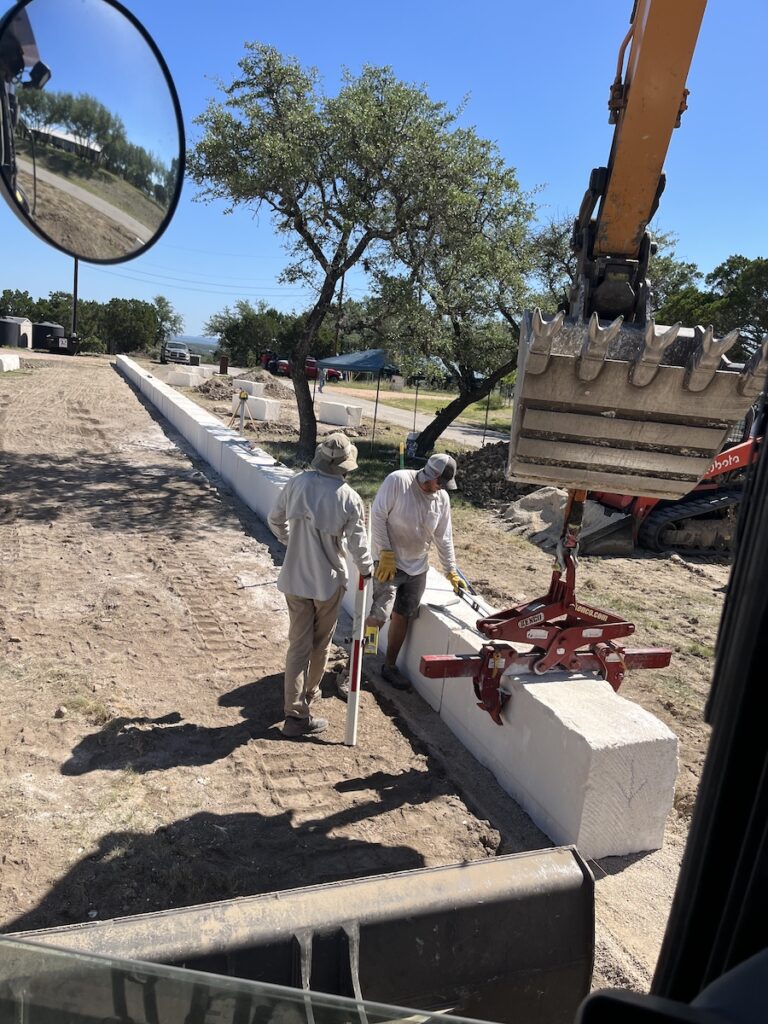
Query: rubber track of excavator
[650,531]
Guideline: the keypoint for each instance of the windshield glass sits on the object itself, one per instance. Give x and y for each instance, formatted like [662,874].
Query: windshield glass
[39,984]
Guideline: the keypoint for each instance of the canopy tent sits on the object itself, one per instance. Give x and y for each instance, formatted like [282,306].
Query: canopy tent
[372,360]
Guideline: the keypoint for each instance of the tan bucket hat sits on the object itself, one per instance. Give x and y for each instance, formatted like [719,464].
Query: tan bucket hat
[335,454]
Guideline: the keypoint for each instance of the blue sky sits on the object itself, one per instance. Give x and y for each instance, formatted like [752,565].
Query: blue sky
[536,76]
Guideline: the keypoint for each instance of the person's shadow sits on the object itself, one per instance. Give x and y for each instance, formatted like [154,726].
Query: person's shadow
[156,744]
[202,859]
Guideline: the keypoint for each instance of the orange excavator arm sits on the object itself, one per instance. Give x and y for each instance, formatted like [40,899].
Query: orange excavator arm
[646,102]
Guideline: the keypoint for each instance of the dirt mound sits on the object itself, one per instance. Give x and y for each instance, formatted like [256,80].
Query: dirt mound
[273,388]
[269,430]
[216,388]
[538,516]
[480,476]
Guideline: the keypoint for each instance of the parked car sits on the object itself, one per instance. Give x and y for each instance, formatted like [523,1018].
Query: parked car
[174,352]
[283,369]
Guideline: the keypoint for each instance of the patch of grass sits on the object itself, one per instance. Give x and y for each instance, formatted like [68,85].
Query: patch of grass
[699,650]
[102,183]
[74,691]
[676,688]
[429,402]
[375,461]
[94,711]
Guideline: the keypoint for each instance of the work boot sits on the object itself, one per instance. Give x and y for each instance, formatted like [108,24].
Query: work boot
[394,677]
[294,728]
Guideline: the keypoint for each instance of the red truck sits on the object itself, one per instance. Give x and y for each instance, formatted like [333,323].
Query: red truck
[283,369]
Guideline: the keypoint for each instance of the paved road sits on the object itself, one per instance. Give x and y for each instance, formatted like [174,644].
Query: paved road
[461,433]
[141,231]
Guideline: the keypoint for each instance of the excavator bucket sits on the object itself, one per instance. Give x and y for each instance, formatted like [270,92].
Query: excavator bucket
[617,537]
[507,939]
[623,408]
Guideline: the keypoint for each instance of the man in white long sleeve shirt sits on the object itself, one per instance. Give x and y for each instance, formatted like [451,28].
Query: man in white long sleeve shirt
[315,513]
[410,511]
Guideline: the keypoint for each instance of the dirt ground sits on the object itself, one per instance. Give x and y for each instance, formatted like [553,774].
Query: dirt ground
[140,691]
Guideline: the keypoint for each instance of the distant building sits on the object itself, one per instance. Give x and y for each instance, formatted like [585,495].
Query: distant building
[66,141]
[15,332]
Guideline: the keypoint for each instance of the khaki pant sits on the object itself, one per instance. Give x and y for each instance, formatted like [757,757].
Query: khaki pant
[309,639]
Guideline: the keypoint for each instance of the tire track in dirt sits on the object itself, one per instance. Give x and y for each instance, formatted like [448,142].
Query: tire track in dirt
[152,618]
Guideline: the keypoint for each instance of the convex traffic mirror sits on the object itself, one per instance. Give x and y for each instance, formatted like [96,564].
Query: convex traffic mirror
[91,136]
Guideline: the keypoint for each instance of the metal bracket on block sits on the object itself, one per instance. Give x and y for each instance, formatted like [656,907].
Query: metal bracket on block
[562,632]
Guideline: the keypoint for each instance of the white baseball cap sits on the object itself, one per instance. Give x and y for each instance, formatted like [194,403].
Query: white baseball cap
[441,468]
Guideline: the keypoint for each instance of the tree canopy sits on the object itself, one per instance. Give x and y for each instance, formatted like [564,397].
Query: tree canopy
[125,325]
[736,295]
[358,178]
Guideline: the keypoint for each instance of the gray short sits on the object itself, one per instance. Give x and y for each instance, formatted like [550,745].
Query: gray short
[404,592]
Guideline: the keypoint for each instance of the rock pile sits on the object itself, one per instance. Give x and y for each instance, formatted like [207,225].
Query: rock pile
[480,476]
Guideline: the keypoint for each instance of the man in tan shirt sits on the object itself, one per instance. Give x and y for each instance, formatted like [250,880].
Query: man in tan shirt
[315,513]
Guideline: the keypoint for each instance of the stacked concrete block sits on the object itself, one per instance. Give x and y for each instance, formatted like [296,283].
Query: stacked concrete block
[9,363]
[253,387]
[339,414]
[590,767]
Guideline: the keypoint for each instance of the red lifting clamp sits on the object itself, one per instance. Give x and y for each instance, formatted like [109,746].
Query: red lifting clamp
[563,634]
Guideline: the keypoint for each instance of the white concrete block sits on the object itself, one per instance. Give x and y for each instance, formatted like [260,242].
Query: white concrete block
[213,436]
[257,407]
[184,378]
[9,363]
[253,387]
[339,414]
[264,408]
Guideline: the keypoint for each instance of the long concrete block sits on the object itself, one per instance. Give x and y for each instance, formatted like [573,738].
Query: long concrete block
[258,408]
[339,414]
[9,363]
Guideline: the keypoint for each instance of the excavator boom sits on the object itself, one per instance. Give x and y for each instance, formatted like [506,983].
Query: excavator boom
[646,107]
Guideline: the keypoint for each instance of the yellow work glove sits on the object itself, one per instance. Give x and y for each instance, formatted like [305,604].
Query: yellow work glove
[386,569]
[456,582]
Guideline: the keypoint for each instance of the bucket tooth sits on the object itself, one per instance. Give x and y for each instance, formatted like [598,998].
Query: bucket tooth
[752,377]
[595,348]
[705,359]
[544,333]
[646,364]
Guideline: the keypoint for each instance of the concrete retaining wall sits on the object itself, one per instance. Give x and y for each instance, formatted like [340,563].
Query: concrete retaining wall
[590,767]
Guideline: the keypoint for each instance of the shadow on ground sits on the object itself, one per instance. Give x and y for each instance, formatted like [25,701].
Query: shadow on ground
[205,858]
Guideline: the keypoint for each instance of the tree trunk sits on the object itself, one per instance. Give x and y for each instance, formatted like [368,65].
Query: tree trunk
[445,417]
[307,421]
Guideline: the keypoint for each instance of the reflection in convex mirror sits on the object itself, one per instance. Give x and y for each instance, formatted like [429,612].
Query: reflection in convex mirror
[91,138]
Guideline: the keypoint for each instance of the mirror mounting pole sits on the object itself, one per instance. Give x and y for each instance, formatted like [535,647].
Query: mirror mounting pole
[74,302]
